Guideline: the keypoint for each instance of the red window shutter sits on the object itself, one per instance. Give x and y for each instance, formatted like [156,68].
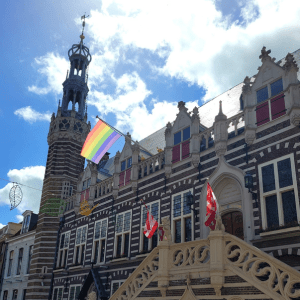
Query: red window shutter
[262,113]
[185,149]
[87,194]
[127,177]
[121,183]
[82,196]
[277,107]
[176,154]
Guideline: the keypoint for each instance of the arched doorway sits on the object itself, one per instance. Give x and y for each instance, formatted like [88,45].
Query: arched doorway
[233,222]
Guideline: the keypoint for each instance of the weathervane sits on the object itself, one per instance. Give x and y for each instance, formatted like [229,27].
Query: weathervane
[83,25]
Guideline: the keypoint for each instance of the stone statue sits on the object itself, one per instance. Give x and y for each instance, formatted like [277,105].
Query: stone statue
[165,229]
[92,296]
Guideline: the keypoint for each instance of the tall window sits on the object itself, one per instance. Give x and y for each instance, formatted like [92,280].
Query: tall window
[115,285]
[182,217]
[74,292]
[63,250]
[125,175]
[278,192]
[274,107]
[25,225]
[20,258]
[58,293]
[181,149]
[122,237]
[11,256]
[80,245]
[100,241]
[29,258]
[5,295]
[15,295]
[148,244]
[24,294]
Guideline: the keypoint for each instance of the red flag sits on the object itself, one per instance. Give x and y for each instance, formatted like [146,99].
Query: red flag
[161,233]
[150,226]
[211,208]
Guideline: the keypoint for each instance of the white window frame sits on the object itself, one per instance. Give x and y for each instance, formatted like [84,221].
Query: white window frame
[120,282]
[80,244]
[19,262]
[25,226]
[10,267]
[99,240]
[123,233]
[64,250]
[75,286]
[278,191]
[182,141]
[58,287]
[142,236]
[182,217]
[268,85]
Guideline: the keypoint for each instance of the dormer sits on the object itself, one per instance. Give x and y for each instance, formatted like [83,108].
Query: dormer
[178,136]
[125,161]
[263,95]
[86,179]
[29,221]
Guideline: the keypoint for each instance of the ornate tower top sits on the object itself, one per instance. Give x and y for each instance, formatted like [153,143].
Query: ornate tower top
[75,87]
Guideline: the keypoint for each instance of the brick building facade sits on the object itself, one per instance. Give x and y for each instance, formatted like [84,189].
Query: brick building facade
[250,131]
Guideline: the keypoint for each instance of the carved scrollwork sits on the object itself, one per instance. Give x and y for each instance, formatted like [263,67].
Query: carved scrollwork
[190,255]
[140,280]
[278,279]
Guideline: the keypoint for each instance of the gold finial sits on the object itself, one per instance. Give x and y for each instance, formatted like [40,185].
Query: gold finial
[159,150]
[142,158]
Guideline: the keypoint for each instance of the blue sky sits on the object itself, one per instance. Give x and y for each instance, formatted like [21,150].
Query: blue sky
[146,56]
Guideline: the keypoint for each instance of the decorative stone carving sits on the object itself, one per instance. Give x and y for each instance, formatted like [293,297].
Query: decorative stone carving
[250,136]
[264,54]
[168,129]
[290,63]
[295,119]
[221,148]
[117,158]
[219,224]
[167,228]
[181,106]
[195,115]
[92,296]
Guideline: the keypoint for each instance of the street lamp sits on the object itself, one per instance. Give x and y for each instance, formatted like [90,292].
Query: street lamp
[249,185]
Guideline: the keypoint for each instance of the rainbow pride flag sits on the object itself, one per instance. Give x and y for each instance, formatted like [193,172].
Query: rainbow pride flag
[98,141]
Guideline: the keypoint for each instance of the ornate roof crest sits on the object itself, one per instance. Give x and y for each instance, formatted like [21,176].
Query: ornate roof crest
[264,54]
[290,63]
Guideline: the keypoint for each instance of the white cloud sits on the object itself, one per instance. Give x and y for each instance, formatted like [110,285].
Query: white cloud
[30,115]
[1,225]
[54,68]
[199,43]
[19,218]
[128,103]
[29,176]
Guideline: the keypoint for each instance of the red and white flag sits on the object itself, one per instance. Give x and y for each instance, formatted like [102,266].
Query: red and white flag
[211,208]
[150,226]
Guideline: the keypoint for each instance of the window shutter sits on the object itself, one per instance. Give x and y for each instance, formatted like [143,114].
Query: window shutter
[176,154]
[278,106]
[82,196]
[185,149]
[87,194]
[128,174]
[121,183]
[262,113]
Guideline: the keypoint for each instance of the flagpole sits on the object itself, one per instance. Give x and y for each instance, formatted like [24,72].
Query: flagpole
[124,135]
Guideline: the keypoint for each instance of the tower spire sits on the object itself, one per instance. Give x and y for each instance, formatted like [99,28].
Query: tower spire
[75,87]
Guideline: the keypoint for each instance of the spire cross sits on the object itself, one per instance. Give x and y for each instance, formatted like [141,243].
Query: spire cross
[83,23]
